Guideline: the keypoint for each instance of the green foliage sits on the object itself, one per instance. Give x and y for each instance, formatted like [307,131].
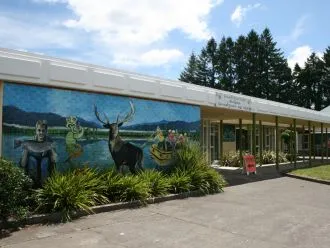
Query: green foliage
[286,136]
[192,172]
[157,182]
[15,191]
[179,182]
[189,156]
[269,157]
[76,190]
[131,188]
[125,187]
[254,65]
[231,159]
[216,182]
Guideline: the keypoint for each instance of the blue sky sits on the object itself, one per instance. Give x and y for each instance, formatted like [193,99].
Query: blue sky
[74,103]
[157,37]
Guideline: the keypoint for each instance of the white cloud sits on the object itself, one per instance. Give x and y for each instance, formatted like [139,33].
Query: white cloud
[300,55]
[240,13]
[153,57]
[22,34]
[135,32]
[297,31]
[141,22]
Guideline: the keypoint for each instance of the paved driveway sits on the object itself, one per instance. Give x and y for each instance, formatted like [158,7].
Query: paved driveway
[280,212]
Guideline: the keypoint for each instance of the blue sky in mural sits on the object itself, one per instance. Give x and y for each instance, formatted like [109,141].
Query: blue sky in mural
[66,103]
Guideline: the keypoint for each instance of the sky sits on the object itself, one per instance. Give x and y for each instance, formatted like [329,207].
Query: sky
[81,104]
[156,37]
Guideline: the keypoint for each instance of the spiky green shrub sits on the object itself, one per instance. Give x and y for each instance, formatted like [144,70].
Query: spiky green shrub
[179,182]
[216,182]
[192,166]
[157,182]
[189,156]
[113,185]
[269,157]
[132,188]
[75,190]
[231,159]
[15,191]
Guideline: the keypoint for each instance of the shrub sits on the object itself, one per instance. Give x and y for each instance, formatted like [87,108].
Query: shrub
[215,181]
[179,182]
[189,156]
[157,182]
[191,171]
[232,158]
[15,191]
[130,188]
[76,190]
[113,187]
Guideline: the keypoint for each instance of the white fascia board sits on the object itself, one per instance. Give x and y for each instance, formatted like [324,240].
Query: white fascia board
[23,67]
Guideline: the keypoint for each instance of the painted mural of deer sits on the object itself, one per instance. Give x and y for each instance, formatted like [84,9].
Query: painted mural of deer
[122,152]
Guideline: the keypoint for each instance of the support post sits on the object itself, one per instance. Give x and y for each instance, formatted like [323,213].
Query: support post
[260,142]
[221,140]
[314,147]
[240,144]
[295,142]
[303,136]
[326,142]
[277,143]
[322,142]
[309,143]
[254,134]
[290,145]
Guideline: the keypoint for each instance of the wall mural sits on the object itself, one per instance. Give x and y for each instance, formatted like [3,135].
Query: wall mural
[45,128]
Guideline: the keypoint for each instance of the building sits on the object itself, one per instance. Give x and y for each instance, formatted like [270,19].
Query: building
[65,94]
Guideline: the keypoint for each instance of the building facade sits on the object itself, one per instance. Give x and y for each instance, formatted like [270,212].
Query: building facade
[74,113]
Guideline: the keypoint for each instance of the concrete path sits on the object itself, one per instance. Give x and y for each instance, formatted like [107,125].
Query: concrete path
[274,213]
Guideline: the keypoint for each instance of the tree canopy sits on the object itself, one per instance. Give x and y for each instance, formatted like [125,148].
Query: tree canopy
[253,65]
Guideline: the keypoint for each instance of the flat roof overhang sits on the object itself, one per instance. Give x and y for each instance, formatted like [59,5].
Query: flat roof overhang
[232,116]
[28,68]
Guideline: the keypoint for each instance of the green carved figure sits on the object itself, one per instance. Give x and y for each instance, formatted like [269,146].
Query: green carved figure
[75,132]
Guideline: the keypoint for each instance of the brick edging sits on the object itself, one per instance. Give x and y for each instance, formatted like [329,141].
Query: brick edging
[288,174]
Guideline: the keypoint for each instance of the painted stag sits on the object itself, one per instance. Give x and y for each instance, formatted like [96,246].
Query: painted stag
[122,152]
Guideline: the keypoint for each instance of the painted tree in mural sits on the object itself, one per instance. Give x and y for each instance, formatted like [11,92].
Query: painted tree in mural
[122,152]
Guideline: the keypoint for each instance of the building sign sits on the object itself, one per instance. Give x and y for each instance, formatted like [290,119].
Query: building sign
[233,101]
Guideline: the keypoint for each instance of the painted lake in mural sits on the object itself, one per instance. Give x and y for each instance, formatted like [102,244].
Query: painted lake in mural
[96,152]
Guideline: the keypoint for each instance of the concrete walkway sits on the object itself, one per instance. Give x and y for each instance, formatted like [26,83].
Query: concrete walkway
[280,212]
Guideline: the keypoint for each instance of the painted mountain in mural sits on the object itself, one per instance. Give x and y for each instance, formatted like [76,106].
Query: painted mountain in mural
[165,125]
[14,115]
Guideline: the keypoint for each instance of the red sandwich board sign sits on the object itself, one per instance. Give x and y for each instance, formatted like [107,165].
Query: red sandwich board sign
[249,164]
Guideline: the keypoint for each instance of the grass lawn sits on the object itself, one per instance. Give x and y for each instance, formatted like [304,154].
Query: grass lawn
[319,172]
